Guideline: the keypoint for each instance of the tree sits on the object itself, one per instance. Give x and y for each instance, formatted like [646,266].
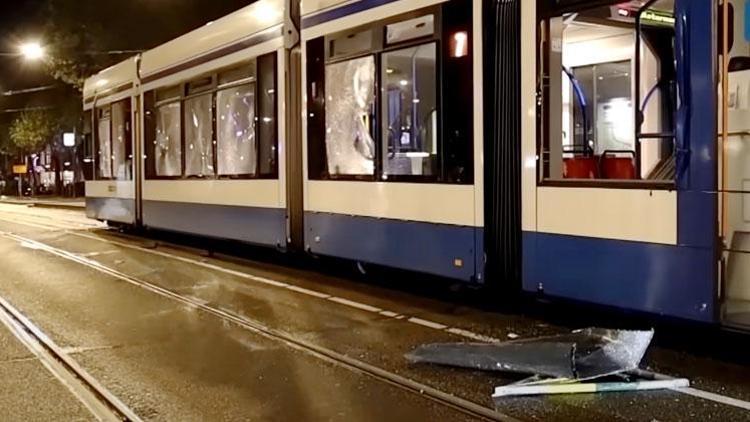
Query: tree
[32,131]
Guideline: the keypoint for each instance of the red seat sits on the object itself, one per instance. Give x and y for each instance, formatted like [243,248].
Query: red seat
[580,167]
[618,168]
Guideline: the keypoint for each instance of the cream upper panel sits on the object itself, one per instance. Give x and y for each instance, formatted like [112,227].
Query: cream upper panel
[259,16]
[312,6]
[621,214]
[111,78]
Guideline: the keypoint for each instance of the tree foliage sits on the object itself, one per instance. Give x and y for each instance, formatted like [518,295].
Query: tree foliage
[32,131]
[70,42]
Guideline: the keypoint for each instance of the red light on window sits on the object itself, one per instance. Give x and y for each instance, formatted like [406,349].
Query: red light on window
[460,44]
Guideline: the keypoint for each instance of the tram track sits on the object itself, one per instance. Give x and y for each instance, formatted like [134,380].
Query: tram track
[334,357]
[102,404]
[464,406]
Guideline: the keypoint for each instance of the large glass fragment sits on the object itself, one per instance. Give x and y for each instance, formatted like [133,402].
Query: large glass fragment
[168,146]
[199,153]
[584,354]
[350,92]
[236,150]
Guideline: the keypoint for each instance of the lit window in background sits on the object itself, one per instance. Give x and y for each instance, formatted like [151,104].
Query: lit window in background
[460,44]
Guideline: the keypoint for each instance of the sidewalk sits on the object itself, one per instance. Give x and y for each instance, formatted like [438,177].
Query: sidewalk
[77,204]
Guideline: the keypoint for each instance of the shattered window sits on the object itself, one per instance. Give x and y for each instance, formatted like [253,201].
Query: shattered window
[410,138]
[121,158]
[199,155]
[104,141]
[168,147]
[236,131]
[350,111]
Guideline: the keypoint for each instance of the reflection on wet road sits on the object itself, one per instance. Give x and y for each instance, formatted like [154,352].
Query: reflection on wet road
[177,335]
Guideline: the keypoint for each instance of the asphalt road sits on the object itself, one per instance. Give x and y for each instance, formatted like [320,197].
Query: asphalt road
[177,334]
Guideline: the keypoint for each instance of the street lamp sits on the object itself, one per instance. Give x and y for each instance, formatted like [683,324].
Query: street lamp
[32,50]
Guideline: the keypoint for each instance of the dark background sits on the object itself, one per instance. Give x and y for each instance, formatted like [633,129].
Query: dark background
[125,25]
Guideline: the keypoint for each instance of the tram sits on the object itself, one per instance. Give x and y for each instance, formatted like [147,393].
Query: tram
[590,150]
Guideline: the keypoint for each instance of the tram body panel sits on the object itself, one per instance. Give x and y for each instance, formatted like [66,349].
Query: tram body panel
[367,211]
[649,248]
[109,106]
[234,186]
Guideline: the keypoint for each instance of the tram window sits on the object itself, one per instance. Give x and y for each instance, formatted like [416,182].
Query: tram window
[592,100]
[88,147]
[410,135]
[104,143]
[349,44]
[122,156]
[420,27]
[267,122]
[169,93]
[413,99]
[350,113]
[200,85]
[199,155]
[243,73]
[168,143]
[235,148]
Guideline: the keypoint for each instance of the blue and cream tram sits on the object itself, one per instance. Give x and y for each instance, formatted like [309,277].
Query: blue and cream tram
[590,150]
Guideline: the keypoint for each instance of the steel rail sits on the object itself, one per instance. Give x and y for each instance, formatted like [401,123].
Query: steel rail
[104,405]
[462,405]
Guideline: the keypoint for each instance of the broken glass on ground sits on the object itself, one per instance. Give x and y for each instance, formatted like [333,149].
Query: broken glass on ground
[581,355]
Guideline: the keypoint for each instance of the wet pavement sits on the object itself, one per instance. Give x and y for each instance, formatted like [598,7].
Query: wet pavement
[170,361]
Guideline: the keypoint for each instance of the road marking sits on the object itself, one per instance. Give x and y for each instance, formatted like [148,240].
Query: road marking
[290,340]
[718,398]
[95,254]
[425,323]
[428,324]
[104,405]
[356,305]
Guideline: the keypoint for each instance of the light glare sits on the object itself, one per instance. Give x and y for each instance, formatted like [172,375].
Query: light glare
[32,51]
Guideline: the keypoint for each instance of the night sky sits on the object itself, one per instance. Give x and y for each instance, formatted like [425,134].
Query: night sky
[134,24]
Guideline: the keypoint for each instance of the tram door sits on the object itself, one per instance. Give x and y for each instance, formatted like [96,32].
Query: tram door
[734,168]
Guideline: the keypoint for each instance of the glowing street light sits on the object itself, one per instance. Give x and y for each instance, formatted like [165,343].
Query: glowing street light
[32,51]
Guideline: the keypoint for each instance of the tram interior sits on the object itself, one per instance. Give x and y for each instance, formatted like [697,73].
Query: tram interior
[595,52]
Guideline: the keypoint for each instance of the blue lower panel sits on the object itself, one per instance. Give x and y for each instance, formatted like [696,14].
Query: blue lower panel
[261,226]
[668,280]
[111,209]
[444,250]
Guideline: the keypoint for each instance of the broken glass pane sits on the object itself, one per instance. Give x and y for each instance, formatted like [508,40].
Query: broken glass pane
[199,154]
[584,354]
[350,92]
[236,151]
[168,144]
[104,139]
[120,160]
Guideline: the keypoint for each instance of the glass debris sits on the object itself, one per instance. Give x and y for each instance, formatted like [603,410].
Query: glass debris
[581,355]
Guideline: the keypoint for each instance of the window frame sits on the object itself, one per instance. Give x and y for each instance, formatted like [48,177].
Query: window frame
[316,148]
[95,154]
[213,89]
[543,50]
[410,178]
